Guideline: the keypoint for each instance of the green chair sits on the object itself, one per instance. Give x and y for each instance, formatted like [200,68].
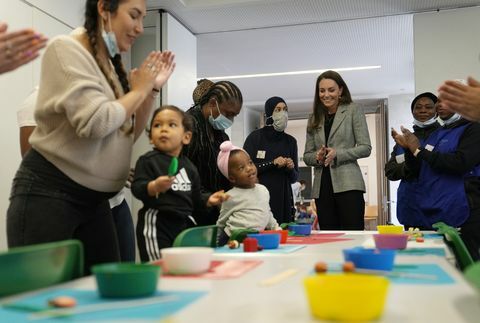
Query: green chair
[31,267]
[203,236]
[455,242]
[472,274]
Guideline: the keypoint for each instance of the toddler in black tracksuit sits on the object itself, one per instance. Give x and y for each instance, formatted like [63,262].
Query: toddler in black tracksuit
[168,201]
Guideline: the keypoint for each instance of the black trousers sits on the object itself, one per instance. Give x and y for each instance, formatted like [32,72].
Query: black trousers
[46,206]
[125,231]
[339,211]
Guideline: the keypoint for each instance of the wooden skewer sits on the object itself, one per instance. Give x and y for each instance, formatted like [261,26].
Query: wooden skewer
[278,278]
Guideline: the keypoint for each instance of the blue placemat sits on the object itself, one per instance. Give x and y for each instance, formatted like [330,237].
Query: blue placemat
[422,252]
[433,236]
[154,312]
[430,274]
[436,275]
[281,249]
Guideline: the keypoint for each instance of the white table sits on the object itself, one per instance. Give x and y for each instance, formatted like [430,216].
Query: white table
[244,300]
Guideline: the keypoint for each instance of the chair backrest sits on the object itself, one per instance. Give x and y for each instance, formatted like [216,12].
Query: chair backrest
[41,265]
[462,255]
[203,236]
[472,274]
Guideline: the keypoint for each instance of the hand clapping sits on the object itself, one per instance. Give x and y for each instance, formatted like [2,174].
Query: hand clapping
[19,47]
[331,153]
[321,153]
[154,71]
[461,98]
[406,140]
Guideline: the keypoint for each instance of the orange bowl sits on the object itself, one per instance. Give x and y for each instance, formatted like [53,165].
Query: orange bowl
[283,234]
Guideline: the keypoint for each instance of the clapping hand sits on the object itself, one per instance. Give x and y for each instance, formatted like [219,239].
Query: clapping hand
[321,153]
[142,79]
[280,162]
[406,140]
[411,140]
[19,47]
[461,98]
[289,163]
[331,153]
[166,69]
[399,138]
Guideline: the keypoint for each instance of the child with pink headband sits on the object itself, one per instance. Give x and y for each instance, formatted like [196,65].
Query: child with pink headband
[248,206]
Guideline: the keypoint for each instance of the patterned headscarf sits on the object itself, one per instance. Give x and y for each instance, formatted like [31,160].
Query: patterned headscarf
[202,88]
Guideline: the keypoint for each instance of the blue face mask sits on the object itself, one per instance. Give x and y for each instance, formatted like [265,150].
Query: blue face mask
[221,122]
[110,40]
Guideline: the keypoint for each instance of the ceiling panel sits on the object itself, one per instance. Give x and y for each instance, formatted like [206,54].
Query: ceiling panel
[253,36]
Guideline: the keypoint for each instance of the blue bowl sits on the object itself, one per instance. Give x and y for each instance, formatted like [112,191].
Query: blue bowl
[301,229]
[375,259]
[267,241]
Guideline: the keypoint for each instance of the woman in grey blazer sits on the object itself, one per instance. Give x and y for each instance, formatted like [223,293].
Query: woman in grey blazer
[337,135]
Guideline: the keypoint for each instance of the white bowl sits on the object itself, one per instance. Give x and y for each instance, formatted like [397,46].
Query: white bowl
[186,260]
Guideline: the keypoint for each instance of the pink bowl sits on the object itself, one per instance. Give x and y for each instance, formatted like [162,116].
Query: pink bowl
[390,241]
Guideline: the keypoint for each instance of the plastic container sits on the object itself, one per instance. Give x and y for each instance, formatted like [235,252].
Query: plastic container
[390,229]
[375,259]
[300,229]
[346,297]
[283,234]
[117,280]
[250,245]
[266,241]
[390,241]
[186,260]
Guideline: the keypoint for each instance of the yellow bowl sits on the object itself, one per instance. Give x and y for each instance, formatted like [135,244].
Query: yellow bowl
[390,229]
[346,297]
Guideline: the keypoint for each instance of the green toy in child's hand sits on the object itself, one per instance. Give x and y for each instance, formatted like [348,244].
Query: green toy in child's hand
[172,169]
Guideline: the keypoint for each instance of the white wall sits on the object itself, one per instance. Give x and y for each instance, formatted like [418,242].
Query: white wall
[399,114]
[16,86]
[67,12]
[183,43]
[178,91]
[446,46]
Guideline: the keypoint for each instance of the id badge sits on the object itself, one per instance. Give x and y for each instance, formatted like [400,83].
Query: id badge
[261,154]
[429,147]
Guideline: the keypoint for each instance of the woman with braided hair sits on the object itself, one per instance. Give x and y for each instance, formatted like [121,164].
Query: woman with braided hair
[88,115]
[215,107]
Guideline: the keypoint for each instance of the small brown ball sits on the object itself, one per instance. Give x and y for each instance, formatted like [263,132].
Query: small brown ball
[348,267]
[321,267]
[233,244]
[62,301]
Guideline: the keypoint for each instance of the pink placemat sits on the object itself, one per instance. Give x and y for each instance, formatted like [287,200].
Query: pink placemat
[219,269]
[316,238]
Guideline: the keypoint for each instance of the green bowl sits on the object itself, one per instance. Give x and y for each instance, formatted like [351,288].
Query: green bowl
[117,280]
